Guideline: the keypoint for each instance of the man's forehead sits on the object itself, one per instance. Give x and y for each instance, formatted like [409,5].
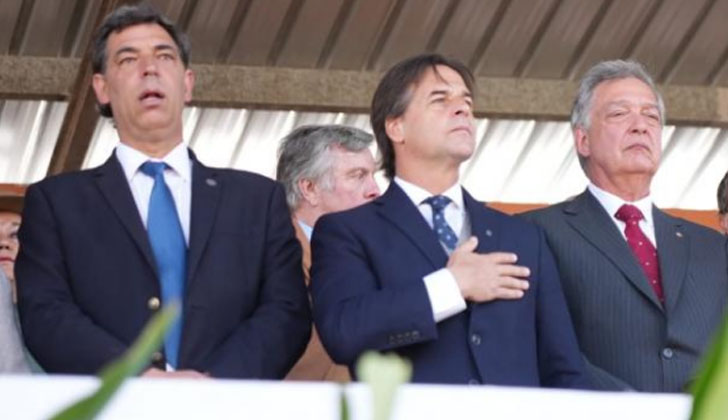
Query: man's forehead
[9,218]
[625,90]
[142,33]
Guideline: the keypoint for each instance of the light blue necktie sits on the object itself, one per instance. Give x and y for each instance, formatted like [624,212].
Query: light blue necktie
[170,251]
[443,230]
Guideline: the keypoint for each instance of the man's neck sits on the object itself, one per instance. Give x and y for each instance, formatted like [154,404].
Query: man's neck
[435,182]
[307,215]
[629,187]
[151,145]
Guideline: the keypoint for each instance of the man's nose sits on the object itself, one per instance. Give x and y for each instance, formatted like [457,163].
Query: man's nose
[149,66]
[462,107]
[372,190]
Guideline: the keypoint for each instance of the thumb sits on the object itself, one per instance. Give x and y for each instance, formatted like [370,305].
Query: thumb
[468,246]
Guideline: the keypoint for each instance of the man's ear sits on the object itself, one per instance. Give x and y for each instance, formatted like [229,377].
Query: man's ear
[100,88]
[309,191]
[189,82]
[394,127]
[581,142]
[723,221]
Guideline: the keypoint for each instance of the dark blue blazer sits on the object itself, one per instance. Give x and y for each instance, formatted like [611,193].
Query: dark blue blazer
[368,293]
[88,273]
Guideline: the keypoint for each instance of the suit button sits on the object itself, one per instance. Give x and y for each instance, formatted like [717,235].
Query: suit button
[667,353]
[153,303]
[157,357]
[473,382]
[475,339]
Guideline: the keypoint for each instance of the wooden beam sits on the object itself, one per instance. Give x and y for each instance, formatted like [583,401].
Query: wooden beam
[345,91]
[25,77]
[81,116]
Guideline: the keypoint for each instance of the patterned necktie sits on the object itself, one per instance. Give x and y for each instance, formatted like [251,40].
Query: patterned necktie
[170,251]
[642,248]
[443,230]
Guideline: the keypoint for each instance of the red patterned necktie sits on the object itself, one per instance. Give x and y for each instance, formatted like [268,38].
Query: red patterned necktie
[642,248]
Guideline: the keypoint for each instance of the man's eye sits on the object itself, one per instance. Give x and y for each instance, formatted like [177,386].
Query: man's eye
[126,60]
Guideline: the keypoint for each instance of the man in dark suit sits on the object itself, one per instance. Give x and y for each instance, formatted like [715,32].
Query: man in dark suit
[102,249]
[645,290]
[429,272]
[323,168]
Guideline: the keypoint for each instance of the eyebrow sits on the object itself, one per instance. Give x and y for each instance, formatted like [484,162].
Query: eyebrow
[624,102]
[157,48]
[436,92]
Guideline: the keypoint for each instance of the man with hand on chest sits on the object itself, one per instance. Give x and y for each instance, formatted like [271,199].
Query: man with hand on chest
[102,249]
[468,294]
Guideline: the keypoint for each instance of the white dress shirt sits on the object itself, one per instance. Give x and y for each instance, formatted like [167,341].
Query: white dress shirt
[444,293]
[612,203]
[178,177]
[307,230]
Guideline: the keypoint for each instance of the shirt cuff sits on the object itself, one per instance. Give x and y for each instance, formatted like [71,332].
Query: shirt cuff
[444,294]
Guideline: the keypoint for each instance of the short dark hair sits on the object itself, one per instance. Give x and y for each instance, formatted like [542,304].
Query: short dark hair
[722,199]
[122,18]
[393,95]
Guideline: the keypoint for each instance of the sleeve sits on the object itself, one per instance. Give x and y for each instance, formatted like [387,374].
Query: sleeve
[58,334]
[353,310]
[268,343]
[560,362]
[12,358]
[444,294]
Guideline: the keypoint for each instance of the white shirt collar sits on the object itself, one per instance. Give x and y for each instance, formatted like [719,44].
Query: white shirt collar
[418,194]
[131,159]
[307,230]
[612,203]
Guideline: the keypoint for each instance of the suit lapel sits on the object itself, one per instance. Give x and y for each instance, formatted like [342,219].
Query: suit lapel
[114,187]
[589,218]
[206,188]
[673,251]
[481,224]
[397,208]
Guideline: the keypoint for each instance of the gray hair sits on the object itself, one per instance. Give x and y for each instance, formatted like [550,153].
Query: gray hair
[603,72]
[304,154]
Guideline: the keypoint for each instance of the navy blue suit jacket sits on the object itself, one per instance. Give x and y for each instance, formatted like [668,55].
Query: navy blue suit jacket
[87,273]
[368,293]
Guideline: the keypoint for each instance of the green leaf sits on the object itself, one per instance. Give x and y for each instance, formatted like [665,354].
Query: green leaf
[384,374]
[344,404]
[130,364]
[710,390]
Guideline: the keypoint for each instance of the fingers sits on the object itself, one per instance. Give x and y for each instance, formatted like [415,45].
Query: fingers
[468,246]
[501,257]
[508,294]
[512,283]
[513,270]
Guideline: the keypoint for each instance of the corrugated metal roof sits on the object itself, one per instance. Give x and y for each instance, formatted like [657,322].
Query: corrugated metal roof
[517,161]
[683,42]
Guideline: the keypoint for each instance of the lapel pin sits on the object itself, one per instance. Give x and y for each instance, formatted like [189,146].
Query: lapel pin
[678,234]
[211,182]
[488,232]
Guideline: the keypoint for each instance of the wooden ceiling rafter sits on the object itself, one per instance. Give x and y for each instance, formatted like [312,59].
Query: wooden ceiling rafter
[81,116]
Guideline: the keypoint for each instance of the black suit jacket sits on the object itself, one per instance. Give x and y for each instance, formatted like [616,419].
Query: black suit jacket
[628,337]
[368,294]
[88,272]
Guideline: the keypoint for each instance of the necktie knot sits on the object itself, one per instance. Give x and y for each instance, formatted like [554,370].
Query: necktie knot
[153,169]
[438,202]
[442,229]
[629,213]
